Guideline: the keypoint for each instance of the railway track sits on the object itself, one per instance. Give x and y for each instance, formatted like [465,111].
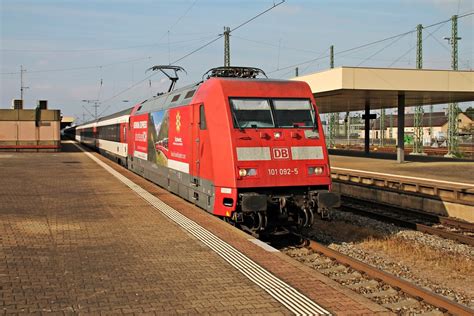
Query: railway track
[394,293]
[445,227]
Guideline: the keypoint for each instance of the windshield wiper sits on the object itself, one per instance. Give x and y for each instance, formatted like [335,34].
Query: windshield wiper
[315,119]
[236,121]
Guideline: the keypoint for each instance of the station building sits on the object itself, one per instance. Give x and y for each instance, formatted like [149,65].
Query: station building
[30,129]
[435,127]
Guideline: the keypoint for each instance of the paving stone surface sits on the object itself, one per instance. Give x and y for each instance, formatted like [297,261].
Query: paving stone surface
[73,239]
[324,291]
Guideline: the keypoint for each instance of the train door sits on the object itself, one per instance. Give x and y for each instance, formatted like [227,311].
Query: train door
[199,124]
[123,139]
[95,137]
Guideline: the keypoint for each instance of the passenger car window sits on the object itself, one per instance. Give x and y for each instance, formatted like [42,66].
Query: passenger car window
[189,94]
[175,98]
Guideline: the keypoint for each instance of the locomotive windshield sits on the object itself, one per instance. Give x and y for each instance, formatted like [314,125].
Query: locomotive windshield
[252,113]
[267,113]
[293,113]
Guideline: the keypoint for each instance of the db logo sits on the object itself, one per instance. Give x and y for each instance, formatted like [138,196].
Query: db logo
[281,153]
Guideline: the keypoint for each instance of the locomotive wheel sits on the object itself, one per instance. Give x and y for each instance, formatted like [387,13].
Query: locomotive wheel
[256,221]
[303,218]
[306,217]
[263,220]
[311,218]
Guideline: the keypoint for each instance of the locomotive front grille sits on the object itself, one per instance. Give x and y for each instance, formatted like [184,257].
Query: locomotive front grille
[253,202]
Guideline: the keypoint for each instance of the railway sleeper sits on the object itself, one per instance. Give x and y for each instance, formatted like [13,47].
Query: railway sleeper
[406,304]
[365,284]
[385,293]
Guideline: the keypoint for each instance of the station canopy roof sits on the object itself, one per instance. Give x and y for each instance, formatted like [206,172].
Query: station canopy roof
[67,119]
[348,88]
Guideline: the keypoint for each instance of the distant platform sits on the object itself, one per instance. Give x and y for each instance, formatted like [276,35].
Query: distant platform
[435,185]
[81,234]
[421,169]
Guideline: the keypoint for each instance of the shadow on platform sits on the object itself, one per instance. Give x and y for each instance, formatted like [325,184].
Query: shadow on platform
[69,147]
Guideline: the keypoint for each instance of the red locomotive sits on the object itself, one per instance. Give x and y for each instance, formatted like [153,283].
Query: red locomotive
[247,149]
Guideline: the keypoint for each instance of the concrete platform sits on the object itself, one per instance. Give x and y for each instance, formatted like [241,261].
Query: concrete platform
[75,238]
[442,187]
[456,173]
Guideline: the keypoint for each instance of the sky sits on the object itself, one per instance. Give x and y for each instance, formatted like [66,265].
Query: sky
[75,50]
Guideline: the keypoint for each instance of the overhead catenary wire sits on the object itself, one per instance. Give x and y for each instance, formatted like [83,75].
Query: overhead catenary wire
[107,49]
[344,51]
[100,49]
[443,45]
[258,15]
[91,66]
[430,34]
[368,44]
[276,46]
[133,85]
[100,89]
[80,68]
[382,49]
[97,66]
[148,77]
[292,66]
[222,35]
[182,16]
[123,91]
[320,55]
[172,26]
[189,54]
[197,49]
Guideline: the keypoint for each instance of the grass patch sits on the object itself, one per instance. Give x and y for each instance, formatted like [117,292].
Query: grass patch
[414,254]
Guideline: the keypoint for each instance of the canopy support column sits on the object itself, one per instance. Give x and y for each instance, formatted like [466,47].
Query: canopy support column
[401,128]
[367,127]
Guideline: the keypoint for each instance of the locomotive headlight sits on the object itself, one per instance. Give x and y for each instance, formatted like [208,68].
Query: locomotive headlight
[277,135]
[251,172]
[315,171]
[247,172]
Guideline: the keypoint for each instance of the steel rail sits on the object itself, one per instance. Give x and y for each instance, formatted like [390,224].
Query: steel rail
[453,222]
[407,287]
[445,234]
[432,217]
